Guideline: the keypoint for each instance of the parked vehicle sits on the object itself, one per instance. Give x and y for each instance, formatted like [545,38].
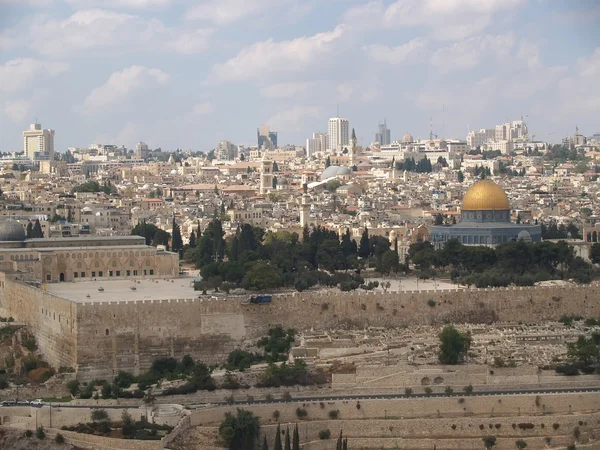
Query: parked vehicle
[258,299]
[23,402]
[38,402]
[9,402]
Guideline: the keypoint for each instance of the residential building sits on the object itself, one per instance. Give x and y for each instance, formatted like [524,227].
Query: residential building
[317,144]
[38,144]
[142,151]
[226,151]
[478,138]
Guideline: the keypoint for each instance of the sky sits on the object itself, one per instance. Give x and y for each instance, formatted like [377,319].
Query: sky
[188,74]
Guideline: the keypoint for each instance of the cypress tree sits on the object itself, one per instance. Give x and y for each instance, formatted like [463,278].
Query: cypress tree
[296,439]
[192,239]
[345,444]
[176,240]
[265,446]
[29,230]
[278,445]
[364,248]
[37,230]
[339,444]
[288,445]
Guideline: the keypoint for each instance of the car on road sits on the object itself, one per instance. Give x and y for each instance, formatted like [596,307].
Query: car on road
[9,402]
[23,402]
[38,402]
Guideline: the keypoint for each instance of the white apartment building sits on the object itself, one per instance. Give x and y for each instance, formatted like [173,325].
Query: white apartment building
[505,146]
[141,150]
[38,144]
[478,138]
[339,137]
[226,151]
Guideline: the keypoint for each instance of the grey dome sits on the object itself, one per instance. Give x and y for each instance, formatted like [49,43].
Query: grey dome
[11,230]
[333,171]
[524,236]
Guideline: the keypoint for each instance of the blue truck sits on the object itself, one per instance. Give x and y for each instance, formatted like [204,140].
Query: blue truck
[258,299]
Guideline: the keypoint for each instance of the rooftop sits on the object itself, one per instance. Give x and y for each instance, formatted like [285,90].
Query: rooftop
[120,290]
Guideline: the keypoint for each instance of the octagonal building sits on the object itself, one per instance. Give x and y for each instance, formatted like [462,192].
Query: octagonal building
[485,220]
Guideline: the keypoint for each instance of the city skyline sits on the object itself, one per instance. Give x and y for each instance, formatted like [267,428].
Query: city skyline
[164,69]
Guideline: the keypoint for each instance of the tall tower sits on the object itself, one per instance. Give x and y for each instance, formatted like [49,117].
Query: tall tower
[304,204]
[266,176]
[338,134]
[353,149]
[38,144]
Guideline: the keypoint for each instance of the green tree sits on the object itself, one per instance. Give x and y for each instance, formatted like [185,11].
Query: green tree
[240,431]
[296,439]
[453,345]
[364,248]
[595,253]
[439,219]
[327,162]
[278,445]
[176,241]
[288,445]
[489,442]
[29,229]
[192,242]
[521,444]
[37,232]
[262,275]
[265,446]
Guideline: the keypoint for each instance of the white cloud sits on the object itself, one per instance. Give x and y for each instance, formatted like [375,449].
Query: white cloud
[446,19]
[290,120]
[16,110]
[396,55]
[579,92]
[223,12]
[19,73]
[199,110]
[469,53]
[284,90]
[101,30]
[122,83]
[120,4]
[268,57]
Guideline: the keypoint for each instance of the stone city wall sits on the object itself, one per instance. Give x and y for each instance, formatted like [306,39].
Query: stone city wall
[51,319]
[129,335]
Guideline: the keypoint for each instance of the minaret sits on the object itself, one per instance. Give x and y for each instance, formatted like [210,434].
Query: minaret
[354,149]
[304,205]
[266,176]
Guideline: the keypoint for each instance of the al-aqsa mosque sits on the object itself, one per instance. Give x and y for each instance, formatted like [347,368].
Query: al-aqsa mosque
[485,220]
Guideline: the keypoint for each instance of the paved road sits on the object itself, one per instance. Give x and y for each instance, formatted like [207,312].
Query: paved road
[325,398]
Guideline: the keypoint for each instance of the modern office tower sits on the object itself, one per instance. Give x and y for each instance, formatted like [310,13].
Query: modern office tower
[38,144]
[338,134]
[267,139]
[383,136]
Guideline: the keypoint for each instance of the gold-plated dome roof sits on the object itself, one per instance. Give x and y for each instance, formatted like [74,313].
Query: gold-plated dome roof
[485,195]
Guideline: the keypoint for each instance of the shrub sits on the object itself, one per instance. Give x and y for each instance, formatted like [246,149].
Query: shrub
[301,413]
[99,415]
[334,413]
[73,387]
[286,396]
[408,391]
[269,397]
[276,414]
[3,383]
[59,438]
[28,433]
[431,303]
[468,389]
[449,390]
[461,400]
[526,426]
[357,405]
[555,426]
[250,398]
[324,434]
[230,399]
[576,433]
[428,390]
[40,433]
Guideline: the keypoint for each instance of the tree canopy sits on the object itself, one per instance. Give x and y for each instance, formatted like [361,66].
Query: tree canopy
[240,431]
[454,345]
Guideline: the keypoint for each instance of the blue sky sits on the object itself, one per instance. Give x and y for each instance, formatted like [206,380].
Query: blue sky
[187,74]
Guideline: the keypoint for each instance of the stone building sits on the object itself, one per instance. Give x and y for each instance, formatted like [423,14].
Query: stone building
[83,258]
[485,220]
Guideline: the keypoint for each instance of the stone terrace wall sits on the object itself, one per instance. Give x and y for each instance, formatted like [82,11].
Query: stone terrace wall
[51,319]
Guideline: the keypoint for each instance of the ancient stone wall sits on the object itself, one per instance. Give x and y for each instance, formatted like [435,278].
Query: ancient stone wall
[129,335]
[51,319]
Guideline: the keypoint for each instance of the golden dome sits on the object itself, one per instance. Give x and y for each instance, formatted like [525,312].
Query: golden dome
[485,195]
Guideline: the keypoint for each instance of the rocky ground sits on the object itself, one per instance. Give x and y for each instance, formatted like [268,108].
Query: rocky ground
[15,440]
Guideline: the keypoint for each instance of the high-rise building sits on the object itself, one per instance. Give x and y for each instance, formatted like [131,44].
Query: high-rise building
[141,150]
[383,136]
[38,144]
[267,139]
[318,143]
[338,134]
